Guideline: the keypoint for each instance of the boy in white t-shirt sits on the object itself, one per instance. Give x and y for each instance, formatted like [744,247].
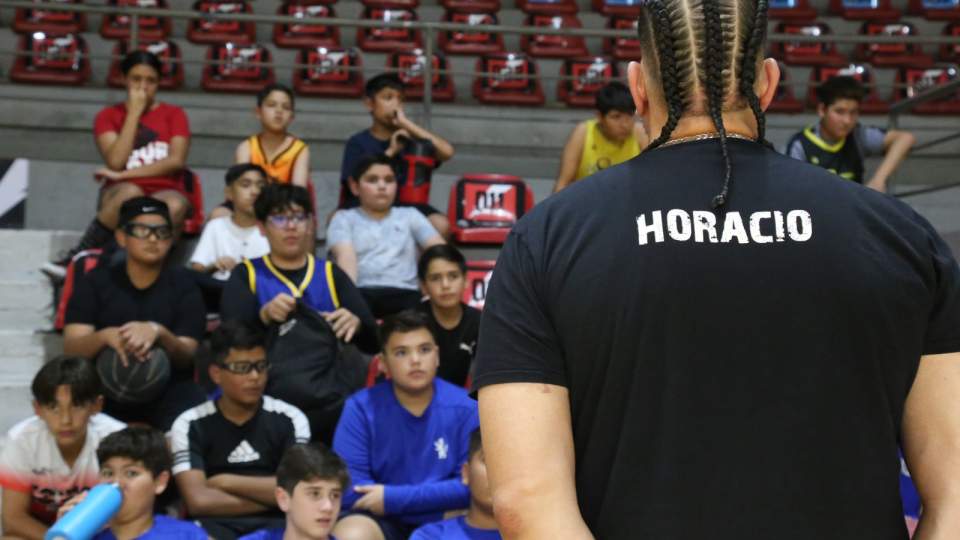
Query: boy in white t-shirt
[229,239]
[50,457]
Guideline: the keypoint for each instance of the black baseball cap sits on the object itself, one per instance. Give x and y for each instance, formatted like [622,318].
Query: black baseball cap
[139,206]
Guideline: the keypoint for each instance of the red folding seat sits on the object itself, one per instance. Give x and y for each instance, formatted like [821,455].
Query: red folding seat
[950,52]
[409,67]
[470,42]
[391,4]
[791,10]
[548,7]
[820,53]
[478,281]
[625,8]
[586,75]
[388,39]
[209,31]
[194,193]
[891,54]
[936,10]
[553,45]
[300,36]
[865,10]
[52,22]
[622,48]
[471,6]
[117,26]
[912,81]
[871,104]
[237,68]
[508,79]
[329,72]
[484,207]
[784,101]
[51,59]
[168,52]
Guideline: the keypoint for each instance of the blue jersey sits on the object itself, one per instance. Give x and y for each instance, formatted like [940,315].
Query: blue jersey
[164,528]
[316,290]
[269,534]
[417,459]
[454,529]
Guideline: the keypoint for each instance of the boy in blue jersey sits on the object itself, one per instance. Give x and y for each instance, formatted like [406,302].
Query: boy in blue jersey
[478,523]
[310,484]
[404,440]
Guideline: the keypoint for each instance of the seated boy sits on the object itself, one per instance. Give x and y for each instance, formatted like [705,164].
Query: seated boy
[442,271]
[225,451]
[50,457]
[391,128]
[310,484]
[478,523]
[137,459]
[376,243]
[404,440]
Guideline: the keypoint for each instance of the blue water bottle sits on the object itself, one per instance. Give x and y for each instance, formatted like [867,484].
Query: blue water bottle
[88,517]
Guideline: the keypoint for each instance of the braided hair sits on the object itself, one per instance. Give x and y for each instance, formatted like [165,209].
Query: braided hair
[705,51]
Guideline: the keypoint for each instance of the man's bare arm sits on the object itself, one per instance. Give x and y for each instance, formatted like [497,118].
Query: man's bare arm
[528,447]
[931,444]
[17,521]
[346,258]
[896,146]
[570,159]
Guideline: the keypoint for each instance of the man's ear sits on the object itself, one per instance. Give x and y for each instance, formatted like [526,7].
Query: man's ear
[384,365]
[354,186]
[98,405]
[368,103]
[821,110]
[283,499]
[465,473]
[228,193]
[261,228]
[120,237]
[161,481]
[36,407]
[214,371]
[638,87]
[768,82]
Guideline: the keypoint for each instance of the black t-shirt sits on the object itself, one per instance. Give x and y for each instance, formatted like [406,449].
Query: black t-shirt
[240,303]
[734,374]
[457,345]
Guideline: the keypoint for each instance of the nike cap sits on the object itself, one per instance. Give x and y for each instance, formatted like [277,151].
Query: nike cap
[139,206]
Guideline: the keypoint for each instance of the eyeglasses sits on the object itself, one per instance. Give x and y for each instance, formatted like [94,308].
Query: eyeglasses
[142,231]
[243,368]
[282,221]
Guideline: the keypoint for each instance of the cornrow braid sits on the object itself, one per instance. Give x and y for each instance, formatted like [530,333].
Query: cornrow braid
[713,66]
[748,66]
[669,74]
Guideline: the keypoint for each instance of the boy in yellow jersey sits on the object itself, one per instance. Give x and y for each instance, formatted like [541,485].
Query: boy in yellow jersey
[611,138]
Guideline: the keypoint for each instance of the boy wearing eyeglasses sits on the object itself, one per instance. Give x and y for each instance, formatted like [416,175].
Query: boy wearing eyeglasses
[226,451]
[137,304]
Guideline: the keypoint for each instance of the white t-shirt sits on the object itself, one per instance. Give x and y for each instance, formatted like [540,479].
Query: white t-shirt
[223,238]
[31,462]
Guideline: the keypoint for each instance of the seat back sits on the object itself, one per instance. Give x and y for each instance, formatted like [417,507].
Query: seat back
[411,67]
[891,54]
[478,280]
[950,52]
[622,48]
[39,19]
[391,4]
[456,42]
[117,26]
[507,78]
[218,31]
[913,81]
[587,75]
[489,6]
[865,10]
[794,10]
[548,7]
[193,190]
[327,72]
[51,59]
[936,10]
[484,207]
[806,53]
[238,68]
[625,8]
[171,75]
[383,39]
[296,35]
[553,45]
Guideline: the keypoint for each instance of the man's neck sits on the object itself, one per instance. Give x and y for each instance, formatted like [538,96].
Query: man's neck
[827,137]
[236,413]
[292,263]
[416,403]
[132,529]
[480,519]
[378,215]
[142,276]
[243,220]
[272,138]
[447,317]
[71,453]
[380,131]
[740,122]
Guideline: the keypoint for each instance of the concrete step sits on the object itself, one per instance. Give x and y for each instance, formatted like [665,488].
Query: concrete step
[16,406]
[22,252]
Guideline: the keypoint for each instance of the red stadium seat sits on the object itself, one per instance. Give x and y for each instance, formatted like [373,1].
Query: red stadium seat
[784,101]
[865,10]
[622,48]
[194,193]
[478,280]
[304,36]
[484,207]
[168,52]
[375,372]
[51,22]
[150,28]
[822,53]
[891,54]
[936,10]
[951,52]
[219,31]
[913,81]
[624,8]
[388,39]
[589,74]
[410,69]
[791,10]
[326,73]
[871,104]
[237,68]
[471,6]
[470,42]
[553,45]
[507,79]
[391,4]
[548,7]
[51,59]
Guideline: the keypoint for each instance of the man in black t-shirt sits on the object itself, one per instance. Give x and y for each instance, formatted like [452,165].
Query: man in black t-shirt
[713,340]
[442,271]
[138,304]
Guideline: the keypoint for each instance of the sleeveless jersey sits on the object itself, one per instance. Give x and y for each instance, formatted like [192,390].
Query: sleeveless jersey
[600,152]
[842,158]
[317,289]
[281,167]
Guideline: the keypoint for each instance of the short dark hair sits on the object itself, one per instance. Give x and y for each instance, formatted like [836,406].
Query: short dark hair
[306,462]
[139,443]
[378,83]
[234,335]
[135,58]
[75,372]
[275,87]
[615,96]
[402,323]
[840,87]
[280,198]
[476,444]
[367,161]
[236,171]
[440,251]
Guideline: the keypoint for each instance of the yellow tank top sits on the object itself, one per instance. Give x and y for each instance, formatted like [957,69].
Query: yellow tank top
[600,152]
[281,168]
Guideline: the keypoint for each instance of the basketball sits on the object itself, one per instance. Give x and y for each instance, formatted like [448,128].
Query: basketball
[138,382]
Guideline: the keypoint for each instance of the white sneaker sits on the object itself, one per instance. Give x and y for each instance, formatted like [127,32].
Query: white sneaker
[54,271]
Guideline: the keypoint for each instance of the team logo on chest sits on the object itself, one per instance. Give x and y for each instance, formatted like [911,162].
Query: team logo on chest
[243,453]
[441,448]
